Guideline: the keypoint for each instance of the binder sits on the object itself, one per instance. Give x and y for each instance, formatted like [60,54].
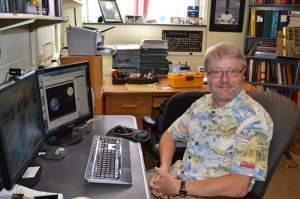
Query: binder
[267,23]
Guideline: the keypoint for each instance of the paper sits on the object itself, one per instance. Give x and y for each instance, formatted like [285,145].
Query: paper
[31,172]
[28,193]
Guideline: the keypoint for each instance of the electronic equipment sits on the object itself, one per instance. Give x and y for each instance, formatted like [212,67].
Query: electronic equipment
[21,127]
[66,98]
[87,41]
[109,161]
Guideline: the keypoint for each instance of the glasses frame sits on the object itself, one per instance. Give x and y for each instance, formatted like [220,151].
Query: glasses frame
[220,73]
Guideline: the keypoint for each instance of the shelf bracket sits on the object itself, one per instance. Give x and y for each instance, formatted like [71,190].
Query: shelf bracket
[22,23]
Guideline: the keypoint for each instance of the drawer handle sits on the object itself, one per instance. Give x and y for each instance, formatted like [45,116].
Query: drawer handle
[129,106]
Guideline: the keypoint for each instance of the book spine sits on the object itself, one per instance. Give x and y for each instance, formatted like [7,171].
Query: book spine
[253,22]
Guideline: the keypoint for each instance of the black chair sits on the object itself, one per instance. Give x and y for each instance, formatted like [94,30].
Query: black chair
[168,112]
[286,116]
[284,112]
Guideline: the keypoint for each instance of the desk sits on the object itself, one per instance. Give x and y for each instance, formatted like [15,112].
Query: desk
[141,100]
[67,176]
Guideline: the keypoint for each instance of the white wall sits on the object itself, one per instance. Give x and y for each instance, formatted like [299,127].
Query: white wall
[134,34]
[22,48]
[15,50]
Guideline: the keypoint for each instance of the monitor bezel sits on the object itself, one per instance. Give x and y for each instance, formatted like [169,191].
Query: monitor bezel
[83,118]
[8,180]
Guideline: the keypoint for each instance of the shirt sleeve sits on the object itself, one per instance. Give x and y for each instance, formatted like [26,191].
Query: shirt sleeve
[180,127]
[251,148]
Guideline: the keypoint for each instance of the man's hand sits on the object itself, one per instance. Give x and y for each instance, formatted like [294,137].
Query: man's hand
[163,184]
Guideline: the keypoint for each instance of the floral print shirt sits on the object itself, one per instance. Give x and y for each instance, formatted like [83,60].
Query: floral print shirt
[233,139]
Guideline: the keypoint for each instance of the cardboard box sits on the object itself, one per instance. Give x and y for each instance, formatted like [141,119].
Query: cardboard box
[185,80]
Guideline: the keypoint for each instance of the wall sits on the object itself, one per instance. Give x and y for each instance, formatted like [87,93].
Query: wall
[135,33]
[15,50]
[21,48]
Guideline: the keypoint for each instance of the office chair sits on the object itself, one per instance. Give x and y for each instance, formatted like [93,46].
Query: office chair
[285,115]
[283,111]
[168,112]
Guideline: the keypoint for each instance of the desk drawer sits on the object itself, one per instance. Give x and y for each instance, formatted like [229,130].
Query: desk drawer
[130,104]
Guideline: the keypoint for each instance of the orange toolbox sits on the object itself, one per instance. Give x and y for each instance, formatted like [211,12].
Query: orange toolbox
[185,80]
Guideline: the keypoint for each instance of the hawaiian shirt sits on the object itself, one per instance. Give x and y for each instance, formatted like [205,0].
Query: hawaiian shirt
[233,139]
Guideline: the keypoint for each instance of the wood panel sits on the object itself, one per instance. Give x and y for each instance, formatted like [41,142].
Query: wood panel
[95,67]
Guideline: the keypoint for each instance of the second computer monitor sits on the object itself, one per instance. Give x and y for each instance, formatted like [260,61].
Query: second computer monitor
[21,129]
[66,101]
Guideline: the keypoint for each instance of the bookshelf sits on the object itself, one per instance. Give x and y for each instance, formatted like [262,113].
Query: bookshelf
[269,68]
[13,20]
[19,13]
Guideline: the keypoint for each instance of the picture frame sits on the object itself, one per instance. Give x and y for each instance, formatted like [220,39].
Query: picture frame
[110,11]
[227,16]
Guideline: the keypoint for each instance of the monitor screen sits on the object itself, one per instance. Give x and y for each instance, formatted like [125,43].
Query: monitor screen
[21,127]
[66,101]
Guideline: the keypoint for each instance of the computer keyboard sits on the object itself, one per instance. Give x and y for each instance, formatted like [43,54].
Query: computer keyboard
[106,160]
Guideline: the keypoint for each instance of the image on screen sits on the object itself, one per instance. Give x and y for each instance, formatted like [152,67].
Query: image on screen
[66,101]
[21,127]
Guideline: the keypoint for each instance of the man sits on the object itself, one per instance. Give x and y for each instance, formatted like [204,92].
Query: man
[227,134]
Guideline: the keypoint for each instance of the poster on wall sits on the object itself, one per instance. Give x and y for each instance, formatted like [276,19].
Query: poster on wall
[227,16]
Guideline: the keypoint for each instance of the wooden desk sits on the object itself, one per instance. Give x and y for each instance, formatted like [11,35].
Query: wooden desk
[141,100]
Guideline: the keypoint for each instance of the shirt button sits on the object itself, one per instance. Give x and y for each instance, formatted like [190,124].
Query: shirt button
[197,143]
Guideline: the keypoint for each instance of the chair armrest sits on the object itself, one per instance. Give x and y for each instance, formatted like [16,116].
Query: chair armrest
[148,122]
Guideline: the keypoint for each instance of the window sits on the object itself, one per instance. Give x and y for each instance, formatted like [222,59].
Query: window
[159,11]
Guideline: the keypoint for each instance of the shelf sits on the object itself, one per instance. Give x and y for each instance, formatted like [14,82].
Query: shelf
[275,59]
[276,85]
[11,20]
[275,6]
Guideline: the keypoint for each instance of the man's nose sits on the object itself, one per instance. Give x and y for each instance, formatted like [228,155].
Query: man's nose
[224,76]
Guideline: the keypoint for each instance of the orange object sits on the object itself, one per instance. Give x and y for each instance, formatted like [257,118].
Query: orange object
[185,80]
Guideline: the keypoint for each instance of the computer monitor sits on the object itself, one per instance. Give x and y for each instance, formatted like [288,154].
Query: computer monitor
[66,101]
[21,127]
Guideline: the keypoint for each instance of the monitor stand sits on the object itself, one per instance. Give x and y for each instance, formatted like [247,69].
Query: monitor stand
[65,137]
[31,176]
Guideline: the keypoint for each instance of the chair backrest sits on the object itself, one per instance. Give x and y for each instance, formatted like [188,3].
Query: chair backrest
[174,107]
[285,115]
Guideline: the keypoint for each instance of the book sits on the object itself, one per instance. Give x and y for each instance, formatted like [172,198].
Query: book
[289,75]
[253,22]
[278,72]
[262,71]
[283,19]
[58,8]
[267,23]
[259,23]
[250,70]
[274,24]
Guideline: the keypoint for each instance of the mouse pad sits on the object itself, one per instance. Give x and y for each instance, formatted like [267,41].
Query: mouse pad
[135,135]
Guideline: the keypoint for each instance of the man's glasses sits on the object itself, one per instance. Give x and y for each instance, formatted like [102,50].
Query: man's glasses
[230,73]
